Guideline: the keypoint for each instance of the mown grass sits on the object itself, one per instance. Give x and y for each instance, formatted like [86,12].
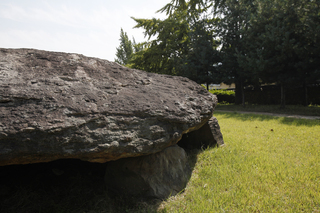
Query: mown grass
[268,164]
[312,110]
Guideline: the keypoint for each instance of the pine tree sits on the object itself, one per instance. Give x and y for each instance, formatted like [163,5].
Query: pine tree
[125,50]
[183,45]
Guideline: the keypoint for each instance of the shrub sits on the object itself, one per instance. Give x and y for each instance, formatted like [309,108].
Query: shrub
[224,96]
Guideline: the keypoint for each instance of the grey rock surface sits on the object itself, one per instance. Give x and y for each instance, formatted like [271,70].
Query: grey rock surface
[159,175]
[216,131]
[61,105]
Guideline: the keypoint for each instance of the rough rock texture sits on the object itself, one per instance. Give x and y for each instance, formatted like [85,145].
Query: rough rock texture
[208,135]
[58,105]
[158,175]
[216,132]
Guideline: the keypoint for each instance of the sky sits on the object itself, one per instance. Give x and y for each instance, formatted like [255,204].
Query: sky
[88,27]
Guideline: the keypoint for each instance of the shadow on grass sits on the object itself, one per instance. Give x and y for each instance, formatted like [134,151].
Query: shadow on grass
[282,120]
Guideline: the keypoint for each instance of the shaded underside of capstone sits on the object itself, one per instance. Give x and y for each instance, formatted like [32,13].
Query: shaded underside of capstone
[61,105]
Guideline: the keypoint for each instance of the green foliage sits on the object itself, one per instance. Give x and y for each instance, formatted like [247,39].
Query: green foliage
[224,96]
[161,54]
[261,41]
[268,164]
[125,50]
[199,64]
[184,45]
[279,45]
[233,16]
[222,92]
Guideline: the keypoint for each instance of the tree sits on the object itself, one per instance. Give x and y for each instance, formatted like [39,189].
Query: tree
[282,41]
[233,17]
[309,51]
[200,63]
[265,41]
[261,41]
[184,45]
[161,54]
[125,50]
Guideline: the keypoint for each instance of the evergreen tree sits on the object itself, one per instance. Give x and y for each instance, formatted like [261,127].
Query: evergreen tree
[233,18]
[162,54]
[183,45]
[200,63]
[125,50]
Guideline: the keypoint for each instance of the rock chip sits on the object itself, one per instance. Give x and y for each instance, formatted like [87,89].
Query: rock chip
[61,105]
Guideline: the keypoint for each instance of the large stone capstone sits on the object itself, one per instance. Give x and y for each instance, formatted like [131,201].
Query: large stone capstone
[59,105]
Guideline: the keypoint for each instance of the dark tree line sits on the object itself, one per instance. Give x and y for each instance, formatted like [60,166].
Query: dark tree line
[246,42]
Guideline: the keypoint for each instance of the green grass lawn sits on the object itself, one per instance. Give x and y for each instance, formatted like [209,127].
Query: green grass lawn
[269,164]
[312,110]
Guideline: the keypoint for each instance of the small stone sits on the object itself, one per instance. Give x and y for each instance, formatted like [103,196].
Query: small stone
[29,129]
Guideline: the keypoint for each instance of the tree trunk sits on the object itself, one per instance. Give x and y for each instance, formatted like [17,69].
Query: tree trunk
[238,95]
[305,95]
[283,97]
[243,98]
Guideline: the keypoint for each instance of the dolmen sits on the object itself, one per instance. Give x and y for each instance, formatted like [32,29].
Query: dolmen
[68,106]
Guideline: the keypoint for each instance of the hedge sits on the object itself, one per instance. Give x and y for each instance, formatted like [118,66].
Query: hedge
[224,96]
